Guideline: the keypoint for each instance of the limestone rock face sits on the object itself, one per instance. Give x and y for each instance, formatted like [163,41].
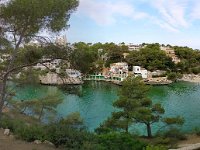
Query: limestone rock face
[7,132]
[54,79]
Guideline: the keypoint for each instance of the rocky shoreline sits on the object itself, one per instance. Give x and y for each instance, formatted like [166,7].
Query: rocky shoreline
[54,79]
[158,81]
[191,78]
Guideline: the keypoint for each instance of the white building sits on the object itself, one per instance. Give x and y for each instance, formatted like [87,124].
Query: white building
[118,71]
[62,41]
[119,68]
[138,71]
[4,57]
[34,43]
[134,47]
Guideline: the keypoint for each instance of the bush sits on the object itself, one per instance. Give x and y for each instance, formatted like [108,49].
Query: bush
[119,141]
[175,134]
[155,148]
[196,70]
[11,124]
[62,135]
[162,141]
[197,131]
[31,133]
[22,130]
[172,76]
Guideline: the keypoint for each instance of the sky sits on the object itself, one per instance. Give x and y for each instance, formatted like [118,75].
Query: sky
[175,22]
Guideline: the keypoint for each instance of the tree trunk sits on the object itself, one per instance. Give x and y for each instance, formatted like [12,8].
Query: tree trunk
[126,128]
[127,123]
[2,93]
[149,134]
[41,112]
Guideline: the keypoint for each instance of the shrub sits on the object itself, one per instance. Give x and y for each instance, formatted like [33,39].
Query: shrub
[162,141]
[172,76]
[22,130]
[175,134]
[197,131]
[31,133]
[62,135]
[196,70]
[155,148]
[119,141]
[11,124]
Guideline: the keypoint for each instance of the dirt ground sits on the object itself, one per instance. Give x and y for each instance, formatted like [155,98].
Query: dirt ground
[191,139]
[10,143]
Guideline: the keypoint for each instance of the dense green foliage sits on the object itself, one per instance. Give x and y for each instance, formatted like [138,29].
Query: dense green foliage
[190,60]
[96,56]
[155,148]
[83,58]
[119,141]
[62,134]
[197,131]
[173,76]
[151,58]
[37,15]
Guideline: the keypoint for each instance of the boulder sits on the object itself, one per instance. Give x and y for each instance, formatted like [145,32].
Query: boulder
[49,143]
[7,132]
[37,142]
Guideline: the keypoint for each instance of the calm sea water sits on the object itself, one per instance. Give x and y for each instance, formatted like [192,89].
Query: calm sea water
[94,101]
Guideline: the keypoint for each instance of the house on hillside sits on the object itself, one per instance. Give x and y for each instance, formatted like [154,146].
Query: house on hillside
[61,41]
[138,71]
[134,47]
[171,53]
[118,71]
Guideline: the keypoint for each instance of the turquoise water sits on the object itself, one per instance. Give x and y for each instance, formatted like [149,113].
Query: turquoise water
[94,101]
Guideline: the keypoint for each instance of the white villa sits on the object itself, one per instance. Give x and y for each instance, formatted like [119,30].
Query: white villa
[62,41]
[119,71]
[133,47]
[4,57]
[171,53]
[138,71]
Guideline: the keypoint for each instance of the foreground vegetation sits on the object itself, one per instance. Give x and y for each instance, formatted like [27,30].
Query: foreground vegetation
[71,133]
